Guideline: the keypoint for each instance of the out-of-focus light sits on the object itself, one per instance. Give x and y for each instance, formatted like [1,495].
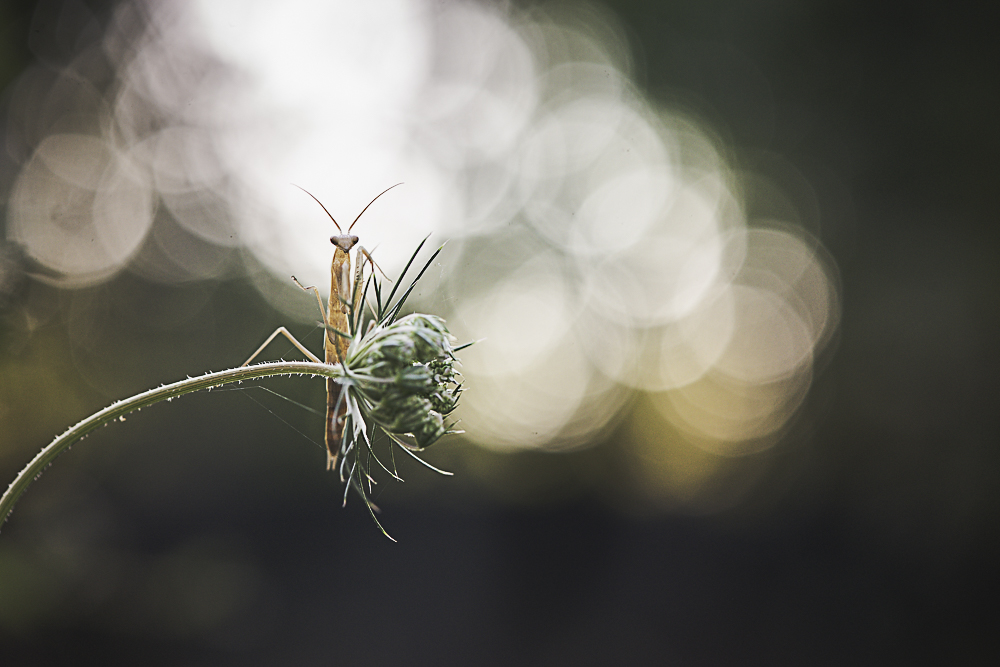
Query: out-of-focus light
[79,207]
[602,240]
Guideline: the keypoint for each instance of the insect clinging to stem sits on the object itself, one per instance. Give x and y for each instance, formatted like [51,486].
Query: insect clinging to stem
[341,317]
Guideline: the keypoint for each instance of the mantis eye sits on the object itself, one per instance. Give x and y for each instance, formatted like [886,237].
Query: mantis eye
[354,240]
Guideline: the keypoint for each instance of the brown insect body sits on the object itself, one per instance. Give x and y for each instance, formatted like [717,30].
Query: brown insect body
[338,312]
[342,305]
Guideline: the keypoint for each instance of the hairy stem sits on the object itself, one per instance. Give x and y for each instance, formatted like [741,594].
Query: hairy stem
[123,407]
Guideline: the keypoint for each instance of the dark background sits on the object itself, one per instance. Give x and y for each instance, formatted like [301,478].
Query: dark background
[874,539]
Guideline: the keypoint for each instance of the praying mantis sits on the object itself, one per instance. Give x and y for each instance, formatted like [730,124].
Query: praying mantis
[342,306]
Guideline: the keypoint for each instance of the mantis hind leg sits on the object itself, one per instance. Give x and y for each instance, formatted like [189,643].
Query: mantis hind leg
[284,332]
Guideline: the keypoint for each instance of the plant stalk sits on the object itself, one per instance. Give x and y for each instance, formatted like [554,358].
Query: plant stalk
[123,407]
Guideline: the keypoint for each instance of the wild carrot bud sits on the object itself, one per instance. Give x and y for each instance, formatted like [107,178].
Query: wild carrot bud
[405,375]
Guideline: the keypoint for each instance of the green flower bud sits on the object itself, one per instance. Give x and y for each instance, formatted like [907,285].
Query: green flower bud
[415,380]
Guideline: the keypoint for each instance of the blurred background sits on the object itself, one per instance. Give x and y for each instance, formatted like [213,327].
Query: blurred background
[732,266]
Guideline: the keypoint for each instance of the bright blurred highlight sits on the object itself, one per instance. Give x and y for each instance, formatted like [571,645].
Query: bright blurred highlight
[601,244]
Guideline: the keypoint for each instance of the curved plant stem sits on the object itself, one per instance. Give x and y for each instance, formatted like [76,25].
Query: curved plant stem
[166,392]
